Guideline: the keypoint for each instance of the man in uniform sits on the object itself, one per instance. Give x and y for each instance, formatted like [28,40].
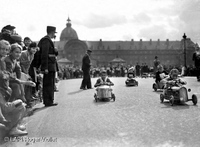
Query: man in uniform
[86,82]
[48,66]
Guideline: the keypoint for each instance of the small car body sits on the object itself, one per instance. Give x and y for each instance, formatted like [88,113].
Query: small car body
[104,92]
[157,86]
[177,95]
[130,81]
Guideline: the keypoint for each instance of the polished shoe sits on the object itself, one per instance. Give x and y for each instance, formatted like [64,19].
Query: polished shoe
[53,104]
[83,88]
[16,132]
[33,98]
[21,127]
[28,106]
[56,90]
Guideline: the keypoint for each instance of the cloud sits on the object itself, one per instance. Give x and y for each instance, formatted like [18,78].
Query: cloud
[189,15]
[141,18]
[102,21]
[31,28]
[153,32]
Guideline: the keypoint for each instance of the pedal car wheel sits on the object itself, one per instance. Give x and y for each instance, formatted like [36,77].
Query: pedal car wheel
[154,87]
[161,98]
[95,97]
[194,99]
[113,97]
[171,100]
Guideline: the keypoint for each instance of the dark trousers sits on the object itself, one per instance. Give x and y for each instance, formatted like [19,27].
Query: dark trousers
[28,93]
[86,82]
[197,72]
[33,78]
[48,88]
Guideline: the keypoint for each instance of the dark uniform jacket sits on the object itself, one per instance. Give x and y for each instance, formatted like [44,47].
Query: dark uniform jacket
[86,63]
[196,59]
[48,54]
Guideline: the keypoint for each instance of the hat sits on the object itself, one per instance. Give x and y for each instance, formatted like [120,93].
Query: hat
[51,29]
[33,44]
[9,27]
[89,50]
[17,38]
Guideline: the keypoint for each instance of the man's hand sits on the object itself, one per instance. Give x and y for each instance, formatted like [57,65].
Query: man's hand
[30,83]
[46,71]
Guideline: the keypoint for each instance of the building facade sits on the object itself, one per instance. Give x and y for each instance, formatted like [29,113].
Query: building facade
[169,52]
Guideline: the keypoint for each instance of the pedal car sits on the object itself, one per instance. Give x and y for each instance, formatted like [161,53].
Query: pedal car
[130,81]
[157,86]
[145,75]
[177,94]
[104,92]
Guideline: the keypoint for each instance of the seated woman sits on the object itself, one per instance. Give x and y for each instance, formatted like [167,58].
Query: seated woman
[14,69]
[26,58]
[103,80]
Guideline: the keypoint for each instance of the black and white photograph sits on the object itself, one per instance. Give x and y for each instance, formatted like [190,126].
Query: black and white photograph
[99,73]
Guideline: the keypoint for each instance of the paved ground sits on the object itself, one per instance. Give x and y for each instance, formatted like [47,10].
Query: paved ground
[135,119]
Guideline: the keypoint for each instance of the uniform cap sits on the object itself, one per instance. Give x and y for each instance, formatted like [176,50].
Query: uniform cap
[51,29]
[17,38]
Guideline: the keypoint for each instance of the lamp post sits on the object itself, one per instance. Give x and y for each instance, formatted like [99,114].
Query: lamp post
[184,41]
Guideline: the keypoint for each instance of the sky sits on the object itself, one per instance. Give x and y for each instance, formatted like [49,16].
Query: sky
[109,20]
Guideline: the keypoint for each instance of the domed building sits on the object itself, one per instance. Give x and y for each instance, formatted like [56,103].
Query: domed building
[70,46]
[68,32]
[169,52]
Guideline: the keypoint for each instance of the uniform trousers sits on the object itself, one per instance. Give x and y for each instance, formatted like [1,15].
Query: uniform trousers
[86,82]
[48,88]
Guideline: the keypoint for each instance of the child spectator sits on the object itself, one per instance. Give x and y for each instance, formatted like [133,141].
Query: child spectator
[14,69]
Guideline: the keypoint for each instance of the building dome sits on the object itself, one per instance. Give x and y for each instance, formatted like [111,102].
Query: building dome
[68,33]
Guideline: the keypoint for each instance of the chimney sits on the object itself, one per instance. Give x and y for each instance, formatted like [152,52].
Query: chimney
[158,42]
[150,42]
[132,41]
[167,42]
[140,44]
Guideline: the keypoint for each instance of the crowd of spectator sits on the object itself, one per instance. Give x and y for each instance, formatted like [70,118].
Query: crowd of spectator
[19,84]
[71,71]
